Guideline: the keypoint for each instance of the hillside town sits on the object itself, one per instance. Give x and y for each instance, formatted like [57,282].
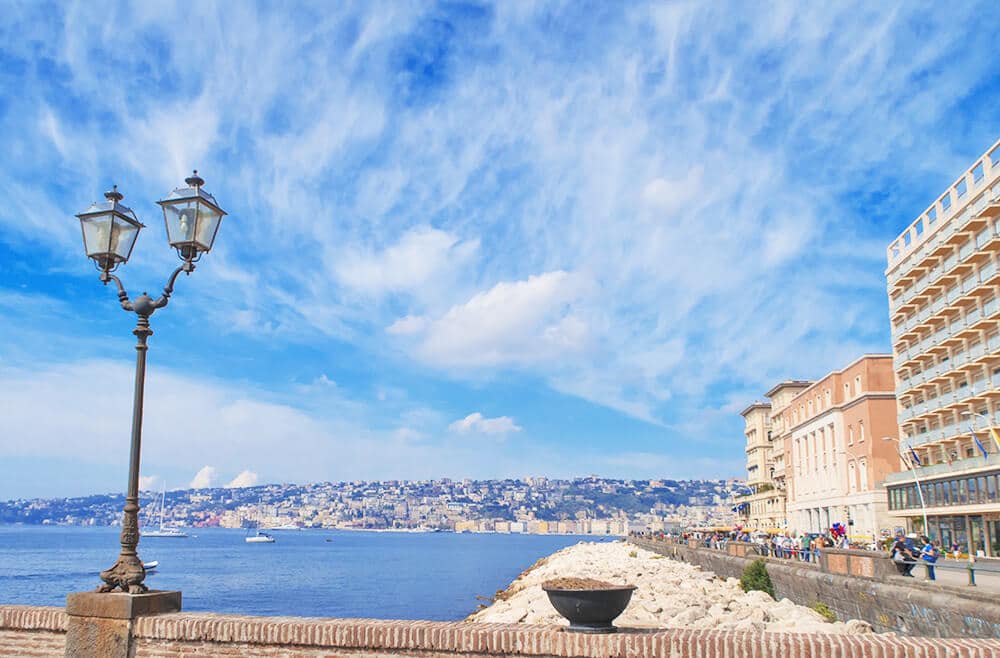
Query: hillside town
[906,441]
[537,505]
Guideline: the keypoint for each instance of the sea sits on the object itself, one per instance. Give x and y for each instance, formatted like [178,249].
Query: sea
[440,576]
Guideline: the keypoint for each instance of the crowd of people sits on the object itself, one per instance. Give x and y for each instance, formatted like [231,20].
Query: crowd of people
[906,550]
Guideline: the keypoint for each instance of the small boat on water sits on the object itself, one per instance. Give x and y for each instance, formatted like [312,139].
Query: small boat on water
[260,537]
[287,526]
[151,565]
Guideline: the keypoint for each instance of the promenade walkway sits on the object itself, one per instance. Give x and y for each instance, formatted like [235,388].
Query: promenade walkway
[955,573]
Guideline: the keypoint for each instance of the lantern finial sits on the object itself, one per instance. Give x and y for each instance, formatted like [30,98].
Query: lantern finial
[114,196]
[195,180]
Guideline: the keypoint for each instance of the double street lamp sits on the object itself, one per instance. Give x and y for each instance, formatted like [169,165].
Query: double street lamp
[192,217]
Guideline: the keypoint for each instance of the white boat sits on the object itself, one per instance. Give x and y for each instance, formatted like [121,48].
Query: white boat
[164,531]
[287,526]
[151,565]
[260,537]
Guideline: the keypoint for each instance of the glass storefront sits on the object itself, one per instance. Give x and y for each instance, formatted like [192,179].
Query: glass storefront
[964,490]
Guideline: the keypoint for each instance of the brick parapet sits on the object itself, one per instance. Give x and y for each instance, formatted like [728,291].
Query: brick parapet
[36,631]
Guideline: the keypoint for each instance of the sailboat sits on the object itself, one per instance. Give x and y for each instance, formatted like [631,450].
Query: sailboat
[164,531]
[259,537]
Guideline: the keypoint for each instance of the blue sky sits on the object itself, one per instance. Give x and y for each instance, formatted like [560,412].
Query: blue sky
[464,239]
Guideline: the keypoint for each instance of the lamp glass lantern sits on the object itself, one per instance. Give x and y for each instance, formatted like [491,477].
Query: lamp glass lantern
[109,231]
[192,218]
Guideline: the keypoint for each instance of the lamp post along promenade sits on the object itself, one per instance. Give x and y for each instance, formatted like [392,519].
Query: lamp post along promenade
[192,218]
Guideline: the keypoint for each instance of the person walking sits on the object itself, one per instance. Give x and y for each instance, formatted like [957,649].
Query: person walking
[929,553]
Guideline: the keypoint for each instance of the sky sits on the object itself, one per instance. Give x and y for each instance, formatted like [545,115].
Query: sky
[464,239]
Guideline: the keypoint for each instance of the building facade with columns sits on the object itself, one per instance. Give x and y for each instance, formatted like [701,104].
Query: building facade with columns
[840,447]
[943,280]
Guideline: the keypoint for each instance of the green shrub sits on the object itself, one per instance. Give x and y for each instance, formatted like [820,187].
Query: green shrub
[824,610]
[633,553]
[755,577]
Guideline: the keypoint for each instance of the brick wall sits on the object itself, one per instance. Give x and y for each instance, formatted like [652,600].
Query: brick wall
[907,606]
[28,631]
[31,631]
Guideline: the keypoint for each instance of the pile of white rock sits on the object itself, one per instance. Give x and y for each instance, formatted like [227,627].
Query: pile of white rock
[669,594]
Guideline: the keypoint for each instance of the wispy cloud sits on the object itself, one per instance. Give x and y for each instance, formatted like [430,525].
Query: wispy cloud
[650,208]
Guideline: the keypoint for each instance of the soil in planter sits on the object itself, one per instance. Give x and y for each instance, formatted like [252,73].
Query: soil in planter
[579,583]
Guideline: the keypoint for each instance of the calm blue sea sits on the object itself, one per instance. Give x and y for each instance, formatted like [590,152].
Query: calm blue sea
[319,573]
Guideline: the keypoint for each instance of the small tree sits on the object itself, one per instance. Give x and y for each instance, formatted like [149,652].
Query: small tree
[755,577]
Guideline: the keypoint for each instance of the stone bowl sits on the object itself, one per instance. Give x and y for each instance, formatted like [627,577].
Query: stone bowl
[589,609]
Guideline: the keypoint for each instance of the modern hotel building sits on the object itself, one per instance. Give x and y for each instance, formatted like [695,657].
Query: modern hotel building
[943,281]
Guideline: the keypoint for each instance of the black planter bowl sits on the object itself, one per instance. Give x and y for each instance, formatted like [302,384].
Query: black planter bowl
[590,610]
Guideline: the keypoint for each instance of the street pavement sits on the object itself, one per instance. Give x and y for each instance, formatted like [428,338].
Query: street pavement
[955,573]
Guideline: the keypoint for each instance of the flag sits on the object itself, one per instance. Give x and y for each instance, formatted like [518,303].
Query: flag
[916,459]
[996,439]
[978,442]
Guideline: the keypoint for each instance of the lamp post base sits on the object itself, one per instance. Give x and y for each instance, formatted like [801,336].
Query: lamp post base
[101,625]
[126,574]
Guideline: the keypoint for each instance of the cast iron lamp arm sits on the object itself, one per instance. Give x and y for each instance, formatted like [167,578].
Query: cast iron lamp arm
[187,267]
[122,295]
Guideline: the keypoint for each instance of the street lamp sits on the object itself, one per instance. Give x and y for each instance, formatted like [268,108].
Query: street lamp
[916,480]
[110,229]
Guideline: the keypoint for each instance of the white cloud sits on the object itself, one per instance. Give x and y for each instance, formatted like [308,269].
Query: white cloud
[475,423]
[423,257]
[407,326]
[204,478]
[519,323]
[150,482]
[244,479]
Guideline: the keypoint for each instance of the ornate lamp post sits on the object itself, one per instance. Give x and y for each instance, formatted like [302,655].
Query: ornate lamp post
[110,229]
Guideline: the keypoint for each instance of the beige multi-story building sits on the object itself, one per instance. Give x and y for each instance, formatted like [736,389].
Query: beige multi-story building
[943,281]
[837,452]
[762,505]
[759,507]
[781,435]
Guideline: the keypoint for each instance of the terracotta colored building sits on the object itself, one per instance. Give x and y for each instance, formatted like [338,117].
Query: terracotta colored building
[841,443]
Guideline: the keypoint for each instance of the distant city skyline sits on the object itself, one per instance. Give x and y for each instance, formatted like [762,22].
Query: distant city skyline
[464,241]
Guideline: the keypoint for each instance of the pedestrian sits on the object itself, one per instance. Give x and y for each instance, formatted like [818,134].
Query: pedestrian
[902,556]
[930,555]
[955,548]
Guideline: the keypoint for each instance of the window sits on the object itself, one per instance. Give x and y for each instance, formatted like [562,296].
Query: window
[850,435]
[827,394]
[863,472]
[851,483]
[847,390]
[861,431]
[857,385]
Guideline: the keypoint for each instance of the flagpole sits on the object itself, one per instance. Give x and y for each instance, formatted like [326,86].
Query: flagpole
[913,469]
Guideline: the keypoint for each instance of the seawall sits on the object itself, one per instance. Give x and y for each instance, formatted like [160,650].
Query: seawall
[40,632]
[856,585]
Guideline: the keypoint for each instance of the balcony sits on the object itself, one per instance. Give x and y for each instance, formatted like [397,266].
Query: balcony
[967,204]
